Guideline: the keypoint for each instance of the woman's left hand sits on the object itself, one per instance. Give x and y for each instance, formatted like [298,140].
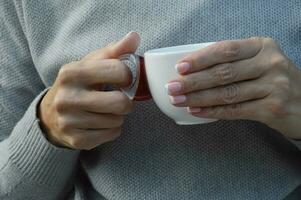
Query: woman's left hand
[241,79]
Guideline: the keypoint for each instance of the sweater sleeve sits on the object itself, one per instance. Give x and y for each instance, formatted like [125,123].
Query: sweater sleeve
[30,167]
[297,143]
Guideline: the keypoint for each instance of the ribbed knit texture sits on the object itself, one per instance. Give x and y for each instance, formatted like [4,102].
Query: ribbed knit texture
[154,158]
[50,158]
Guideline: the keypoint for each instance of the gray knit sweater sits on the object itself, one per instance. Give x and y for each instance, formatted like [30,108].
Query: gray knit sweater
[154,158]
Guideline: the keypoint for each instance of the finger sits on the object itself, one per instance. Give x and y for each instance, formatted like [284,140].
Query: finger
[93,72]
[89,139]
[114,102]
[87,120]
[251,110]
[220,52]
[234,93]
[221,74]
[126,45]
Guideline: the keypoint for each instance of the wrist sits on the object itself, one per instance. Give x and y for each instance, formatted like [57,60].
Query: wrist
[42,115]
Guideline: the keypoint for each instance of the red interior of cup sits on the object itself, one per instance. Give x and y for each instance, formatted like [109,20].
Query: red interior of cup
[143,92]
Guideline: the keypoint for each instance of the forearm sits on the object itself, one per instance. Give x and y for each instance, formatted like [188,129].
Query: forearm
[31,166]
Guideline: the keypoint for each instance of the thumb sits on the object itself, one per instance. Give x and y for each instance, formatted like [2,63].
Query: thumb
[127,44]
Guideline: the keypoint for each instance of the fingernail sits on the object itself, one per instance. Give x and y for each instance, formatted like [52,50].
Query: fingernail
[182,67]
[177,99]
[194,110]
[173,87]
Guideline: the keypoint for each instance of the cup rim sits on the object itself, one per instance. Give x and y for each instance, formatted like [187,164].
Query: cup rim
[178,49]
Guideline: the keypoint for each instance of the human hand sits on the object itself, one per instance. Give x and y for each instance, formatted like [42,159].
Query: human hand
[75,113]
[241,79]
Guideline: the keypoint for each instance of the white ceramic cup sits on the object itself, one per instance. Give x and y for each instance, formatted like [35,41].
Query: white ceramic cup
[160,69]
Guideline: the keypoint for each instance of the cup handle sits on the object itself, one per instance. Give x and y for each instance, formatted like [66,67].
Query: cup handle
[132,61]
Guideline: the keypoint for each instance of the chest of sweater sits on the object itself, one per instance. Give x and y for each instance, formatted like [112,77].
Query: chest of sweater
[61,31]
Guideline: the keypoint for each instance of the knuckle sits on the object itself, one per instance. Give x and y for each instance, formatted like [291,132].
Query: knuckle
[77,142]
[233,110]
[119,121]
[63,125]
[279,61]
[87,146]
[117,66]
[114,64]
[65,74]
[123,104]
[59,104]
[271,44]
[64,100]
[282,83]
[115,133]
[190,82]
[277,106]
[123,108]
[85,62]
[228,49]
[196,99]
[224,74]
[73,101]
[230,94]
[257,41]
[212,112]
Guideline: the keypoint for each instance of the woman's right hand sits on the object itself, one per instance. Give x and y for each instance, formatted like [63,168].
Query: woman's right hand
[75,113]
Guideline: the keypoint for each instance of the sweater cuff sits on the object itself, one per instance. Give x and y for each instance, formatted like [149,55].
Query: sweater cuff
[34,156]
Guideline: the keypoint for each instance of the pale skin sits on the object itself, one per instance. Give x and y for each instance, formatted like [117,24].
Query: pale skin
[76,113]
[241,79]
